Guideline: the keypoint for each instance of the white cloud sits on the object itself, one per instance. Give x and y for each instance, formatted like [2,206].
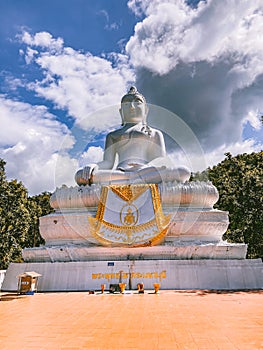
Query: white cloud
[157,41]
[30,53]
[43,40]
[32,143]
[78,82]
[173,32]
[216,156]
[198,161]
[109,25]
[92,155]
[204,64]
[254,120]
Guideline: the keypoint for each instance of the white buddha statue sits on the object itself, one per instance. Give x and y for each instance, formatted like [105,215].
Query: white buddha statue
[132,216]
[134,153]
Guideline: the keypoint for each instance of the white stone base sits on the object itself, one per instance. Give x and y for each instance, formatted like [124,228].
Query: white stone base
[172,274]
[185,225]
[183,250]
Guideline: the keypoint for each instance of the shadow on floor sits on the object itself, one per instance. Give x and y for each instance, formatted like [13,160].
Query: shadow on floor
[223,291]
[10,296]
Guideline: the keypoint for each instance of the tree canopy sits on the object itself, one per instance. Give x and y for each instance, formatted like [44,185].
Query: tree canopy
[239,181]
[19,218]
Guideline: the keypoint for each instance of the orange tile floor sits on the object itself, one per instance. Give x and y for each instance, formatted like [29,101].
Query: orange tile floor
[169,320]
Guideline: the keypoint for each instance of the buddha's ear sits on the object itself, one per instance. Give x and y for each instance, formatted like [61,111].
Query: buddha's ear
[146,113]
[122,118]
[146,109]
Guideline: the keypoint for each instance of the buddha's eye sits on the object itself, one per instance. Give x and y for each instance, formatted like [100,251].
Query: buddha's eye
[136,102]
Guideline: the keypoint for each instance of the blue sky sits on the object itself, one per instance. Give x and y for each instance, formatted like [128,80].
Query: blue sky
[64,66]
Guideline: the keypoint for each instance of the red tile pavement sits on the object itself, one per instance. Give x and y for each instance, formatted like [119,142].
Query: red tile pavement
[169,320]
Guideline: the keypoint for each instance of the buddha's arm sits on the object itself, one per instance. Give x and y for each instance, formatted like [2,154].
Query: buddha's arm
[109,155]
[157,152]
[89,174]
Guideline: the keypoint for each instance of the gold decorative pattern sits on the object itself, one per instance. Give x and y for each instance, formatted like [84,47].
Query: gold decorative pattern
[101,206]
[157,206]
[116,275]
[130,234]
[129,192]
[129,219]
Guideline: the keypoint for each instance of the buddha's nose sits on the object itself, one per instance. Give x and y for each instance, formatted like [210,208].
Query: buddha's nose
[132,105]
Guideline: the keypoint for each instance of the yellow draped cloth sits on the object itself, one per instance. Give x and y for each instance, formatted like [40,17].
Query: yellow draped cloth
[129,215]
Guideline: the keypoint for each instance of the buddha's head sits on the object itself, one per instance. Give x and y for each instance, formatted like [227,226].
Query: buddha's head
[133,107]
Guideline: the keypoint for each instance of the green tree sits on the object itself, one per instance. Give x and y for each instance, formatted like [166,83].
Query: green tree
[38,206]
[14,218]
[19,218]
[239,181]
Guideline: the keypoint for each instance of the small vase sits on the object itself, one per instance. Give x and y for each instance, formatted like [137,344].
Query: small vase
[122,287]
[156,287]
[140,287]
[102,288]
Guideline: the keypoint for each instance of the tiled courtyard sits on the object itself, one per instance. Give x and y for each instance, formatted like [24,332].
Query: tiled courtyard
[169,320]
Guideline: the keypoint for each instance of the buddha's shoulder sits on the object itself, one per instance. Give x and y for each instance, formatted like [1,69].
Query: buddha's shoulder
[115,134]
[156,131]
[125,131]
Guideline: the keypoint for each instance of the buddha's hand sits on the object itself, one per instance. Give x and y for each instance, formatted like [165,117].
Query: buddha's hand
[84,176]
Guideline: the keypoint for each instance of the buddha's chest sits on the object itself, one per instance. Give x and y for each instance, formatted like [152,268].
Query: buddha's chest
[133,136]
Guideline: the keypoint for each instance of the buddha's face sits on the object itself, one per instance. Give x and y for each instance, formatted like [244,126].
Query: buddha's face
[133,109]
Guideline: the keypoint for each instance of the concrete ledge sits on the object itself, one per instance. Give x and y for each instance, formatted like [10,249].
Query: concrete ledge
[186,224]
[172,274]
[191,250]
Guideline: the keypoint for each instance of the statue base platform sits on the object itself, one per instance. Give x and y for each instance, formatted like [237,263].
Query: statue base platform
[134,215]
[187,225]
[171,274]
[90,242]
[183,250]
